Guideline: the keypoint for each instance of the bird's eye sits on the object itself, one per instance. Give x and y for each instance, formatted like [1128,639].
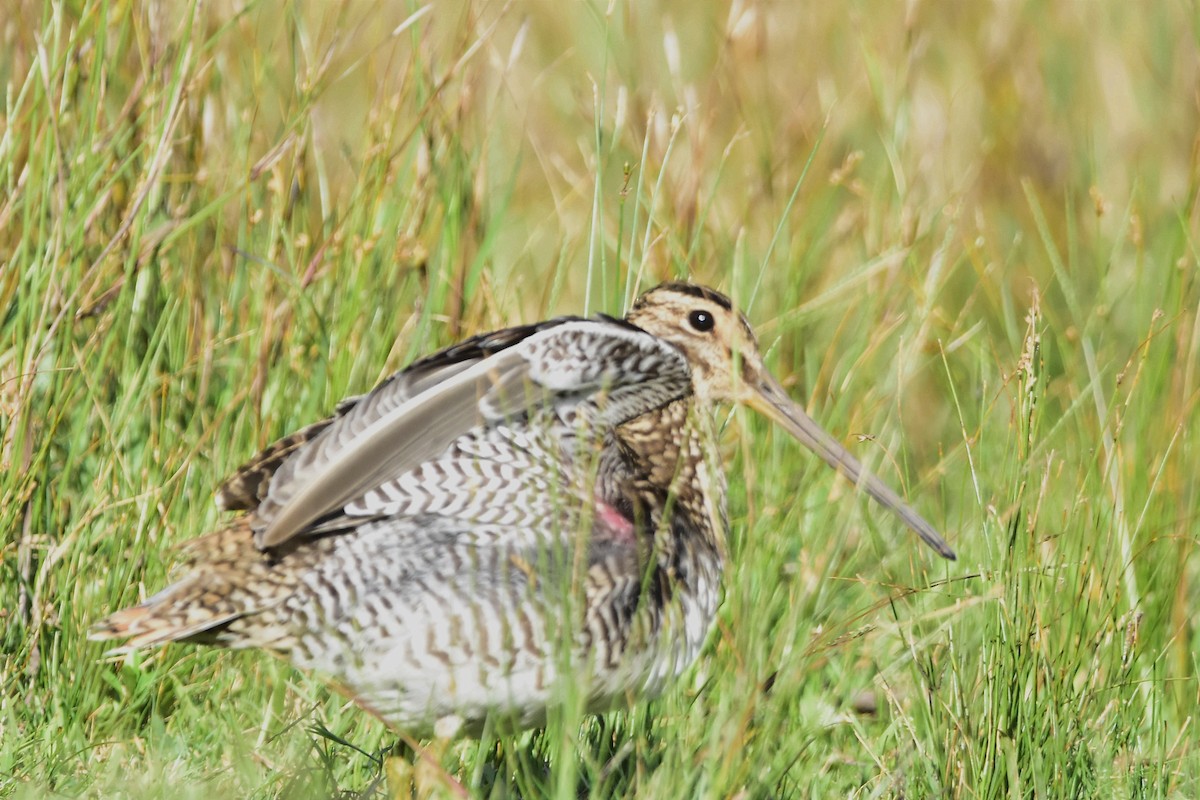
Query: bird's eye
[701,320]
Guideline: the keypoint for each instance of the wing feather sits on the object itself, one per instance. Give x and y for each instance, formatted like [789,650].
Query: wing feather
[607,369]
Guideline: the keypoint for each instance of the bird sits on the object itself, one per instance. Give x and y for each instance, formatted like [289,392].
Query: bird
[535,506]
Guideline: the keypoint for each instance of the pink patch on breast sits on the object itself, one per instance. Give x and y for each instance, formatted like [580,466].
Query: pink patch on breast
[612,522]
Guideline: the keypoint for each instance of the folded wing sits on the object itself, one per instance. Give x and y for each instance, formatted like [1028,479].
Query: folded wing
[603,369]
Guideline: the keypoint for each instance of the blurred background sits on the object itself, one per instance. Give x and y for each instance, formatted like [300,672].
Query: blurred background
[917,121]
[965,232]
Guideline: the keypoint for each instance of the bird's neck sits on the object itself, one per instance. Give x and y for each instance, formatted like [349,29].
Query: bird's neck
[679,496]
[680,485]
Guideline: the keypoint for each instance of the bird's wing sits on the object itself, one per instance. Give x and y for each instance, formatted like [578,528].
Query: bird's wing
[247,486]
[608,369]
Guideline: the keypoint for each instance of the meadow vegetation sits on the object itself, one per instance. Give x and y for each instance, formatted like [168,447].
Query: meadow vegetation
[967,234]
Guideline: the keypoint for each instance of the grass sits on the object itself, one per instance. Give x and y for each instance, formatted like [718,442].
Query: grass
[967,235]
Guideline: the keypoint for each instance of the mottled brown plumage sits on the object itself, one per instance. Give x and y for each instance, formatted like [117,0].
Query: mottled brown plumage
[534,506]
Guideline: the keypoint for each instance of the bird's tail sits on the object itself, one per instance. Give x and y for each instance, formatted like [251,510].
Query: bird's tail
[225,597]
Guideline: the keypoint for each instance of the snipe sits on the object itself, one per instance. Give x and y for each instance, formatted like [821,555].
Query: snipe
[422,547]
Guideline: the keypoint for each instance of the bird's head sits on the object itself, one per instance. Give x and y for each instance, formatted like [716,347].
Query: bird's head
[726,366]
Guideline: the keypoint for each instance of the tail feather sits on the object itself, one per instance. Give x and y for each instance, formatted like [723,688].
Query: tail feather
[225,598]
[146,625]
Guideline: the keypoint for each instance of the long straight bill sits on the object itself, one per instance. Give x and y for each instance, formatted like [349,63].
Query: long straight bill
[769,398]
